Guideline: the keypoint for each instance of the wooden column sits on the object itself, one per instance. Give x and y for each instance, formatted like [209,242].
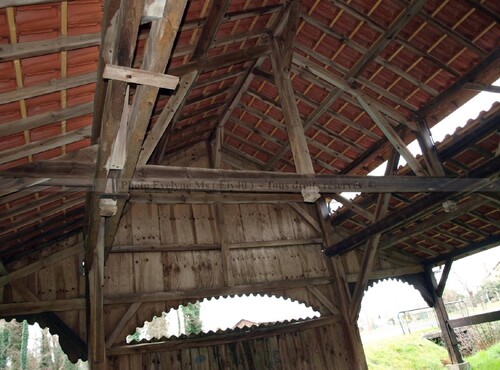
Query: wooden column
[371,246]
[217,147]
[95,324]
[449,335]
[357,358]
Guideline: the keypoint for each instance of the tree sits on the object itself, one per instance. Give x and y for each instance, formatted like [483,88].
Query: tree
[24,345]
[450,295]
[489,290]
[192,318]
[4,344]
[14,347]
[157,328]
[45,356]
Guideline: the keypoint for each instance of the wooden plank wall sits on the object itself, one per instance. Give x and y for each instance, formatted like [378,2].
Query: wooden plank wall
[312,348]
[251,233]
[62,280]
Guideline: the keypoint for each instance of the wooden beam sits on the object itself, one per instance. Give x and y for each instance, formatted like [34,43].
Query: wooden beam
[444,278]
[167,116]
[471,248]
[217,149]
[391,221]
[50,210]
[214,20]
[289,33]
[236,15]
[449,31]
[392,136]
[475,319]
[371,246]
[447,100]
[121,325]
[140,77]
[380,28]
[324,300]
[298,208]
[53,85]
[485,9]
[481,87]
[8,3]
[44,145]
[211,198]
[165,178]
[28,308]
[388,273]
[448,334]
[39,120]
[315,69]
[432,222]
[36,48]
[360,49]
[122,38]
[223,60]
[385,38]
[431,156]
[355,352]
[353,206]
[253,288]
[156,56]
[198,60]
[295,130]
[40,264]
[110,34]
[95,300]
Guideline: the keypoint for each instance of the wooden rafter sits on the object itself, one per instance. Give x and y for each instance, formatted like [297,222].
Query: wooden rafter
[281,62]
[199,62]
[412,210]
[392,136]
[399,23]
[37,48]
[311,67]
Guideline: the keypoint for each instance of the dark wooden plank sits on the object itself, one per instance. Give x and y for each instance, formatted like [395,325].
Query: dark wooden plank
[475,319]
[47,88]
[36,48]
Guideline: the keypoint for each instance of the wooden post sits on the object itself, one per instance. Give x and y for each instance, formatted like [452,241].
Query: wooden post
[449,335]
[429,150]
[217,147]
[357,357]
[371,246]
[95,324]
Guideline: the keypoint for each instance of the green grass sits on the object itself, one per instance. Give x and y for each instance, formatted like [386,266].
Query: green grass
[486,360]
[409,352]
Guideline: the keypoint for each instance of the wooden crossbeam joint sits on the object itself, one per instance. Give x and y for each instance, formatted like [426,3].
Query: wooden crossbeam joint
[140,77]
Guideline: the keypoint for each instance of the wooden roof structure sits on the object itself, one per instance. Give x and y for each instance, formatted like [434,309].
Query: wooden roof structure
[107,106]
